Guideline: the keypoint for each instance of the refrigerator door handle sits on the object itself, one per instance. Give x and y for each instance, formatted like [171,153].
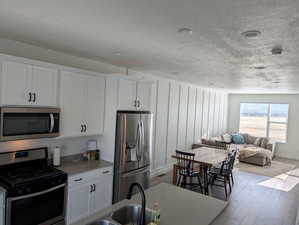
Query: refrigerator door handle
[142,131]
[138,141]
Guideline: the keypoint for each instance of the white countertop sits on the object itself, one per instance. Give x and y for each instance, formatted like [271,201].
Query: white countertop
[178,206]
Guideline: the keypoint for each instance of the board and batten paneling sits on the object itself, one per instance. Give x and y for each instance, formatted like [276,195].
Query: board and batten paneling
[181,118]
[211,122]
[198,115]
[161,123]
[173,115]
[182,123]
[216,114]
[191,117]
[205,113]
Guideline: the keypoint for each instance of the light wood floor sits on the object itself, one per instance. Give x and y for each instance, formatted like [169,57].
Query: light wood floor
[251,203]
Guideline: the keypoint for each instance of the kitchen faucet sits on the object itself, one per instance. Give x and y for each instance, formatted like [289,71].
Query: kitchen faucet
[141,219]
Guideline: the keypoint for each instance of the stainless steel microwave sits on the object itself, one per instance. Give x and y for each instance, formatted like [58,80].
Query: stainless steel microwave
[27,123]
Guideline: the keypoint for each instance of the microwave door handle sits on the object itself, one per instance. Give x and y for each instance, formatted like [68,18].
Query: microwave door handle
[51,123]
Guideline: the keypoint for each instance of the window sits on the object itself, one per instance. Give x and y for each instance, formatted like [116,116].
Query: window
[264,120]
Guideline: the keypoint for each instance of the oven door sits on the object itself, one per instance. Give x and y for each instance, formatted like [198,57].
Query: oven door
[42,208]
[26,123]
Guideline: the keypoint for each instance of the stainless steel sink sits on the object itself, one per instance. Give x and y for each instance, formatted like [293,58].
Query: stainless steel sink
[127,215]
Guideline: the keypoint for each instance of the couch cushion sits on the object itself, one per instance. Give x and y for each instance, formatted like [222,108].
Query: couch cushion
[251,139]
[227,138]
[264,142]
[238,138]
[257,141]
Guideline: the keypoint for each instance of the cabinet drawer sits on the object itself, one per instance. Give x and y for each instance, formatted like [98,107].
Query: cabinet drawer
[85,177]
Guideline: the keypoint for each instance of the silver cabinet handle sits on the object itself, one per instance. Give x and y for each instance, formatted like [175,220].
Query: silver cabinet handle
[82,128]
[138,104]
[94,187]
[85,127]
[30,97]
[34,97]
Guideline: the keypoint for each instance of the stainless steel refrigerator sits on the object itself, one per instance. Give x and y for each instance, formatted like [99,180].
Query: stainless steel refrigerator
[133,146]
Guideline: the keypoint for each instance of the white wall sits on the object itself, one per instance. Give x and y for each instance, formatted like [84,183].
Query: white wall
[286,150]
[184,113]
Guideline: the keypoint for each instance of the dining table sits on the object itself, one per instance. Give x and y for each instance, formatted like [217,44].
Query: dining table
[205,158]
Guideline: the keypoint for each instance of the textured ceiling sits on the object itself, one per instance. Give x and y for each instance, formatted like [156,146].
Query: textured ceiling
[142,35]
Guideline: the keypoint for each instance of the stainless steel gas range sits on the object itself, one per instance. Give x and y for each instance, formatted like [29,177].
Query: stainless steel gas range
[35,191]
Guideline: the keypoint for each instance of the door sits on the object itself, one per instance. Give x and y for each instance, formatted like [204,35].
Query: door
[127,94]
[144,95]
[95,105]
[103,192]
[146,139]
[73,103]
[16,83]
[79,199]
[127,141]
[45,86]
[140,176]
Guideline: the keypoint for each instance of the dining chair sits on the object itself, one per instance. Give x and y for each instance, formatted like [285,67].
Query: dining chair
[224,173]
[185,164]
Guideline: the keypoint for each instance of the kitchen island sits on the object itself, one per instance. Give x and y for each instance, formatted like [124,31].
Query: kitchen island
[178,206]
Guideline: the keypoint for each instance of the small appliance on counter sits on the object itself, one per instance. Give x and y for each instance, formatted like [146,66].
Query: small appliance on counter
[93,153]
[56,156]
[31,185]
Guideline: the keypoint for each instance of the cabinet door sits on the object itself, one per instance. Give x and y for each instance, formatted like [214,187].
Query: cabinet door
[73,103]
[127,94]
[79,199]
[103,192]
[45,86]
[144,94]
[16,83]
[95,105]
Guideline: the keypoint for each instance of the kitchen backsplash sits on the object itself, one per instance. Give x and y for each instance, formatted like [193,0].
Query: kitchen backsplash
[69,146]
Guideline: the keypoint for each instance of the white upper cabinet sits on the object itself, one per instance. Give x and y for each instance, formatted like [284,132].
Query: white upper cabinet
[127,94]
[25,84]
[134,95]
[82,103]
[144,89]
[45,86]
[95,105]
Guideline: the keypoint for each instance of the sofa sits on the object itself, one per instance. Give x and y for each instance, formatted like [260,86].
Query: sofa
[255,150]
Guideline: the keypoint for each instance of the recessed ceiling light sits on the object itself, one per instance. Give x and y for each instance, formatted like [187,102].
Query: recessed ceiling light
[276,50]
[259,67]
[251,33]
[185,30]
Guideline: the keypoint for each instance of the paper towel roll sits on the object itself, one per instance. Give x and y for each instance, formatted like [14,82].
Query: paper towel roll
[56,156]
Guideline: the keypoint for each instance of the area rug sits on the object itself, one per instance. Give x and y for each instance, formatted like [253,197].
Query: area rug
[279,166]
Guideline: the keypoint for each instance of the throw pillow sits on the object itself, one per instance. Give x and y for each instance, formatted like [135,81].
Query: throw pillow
[245,136]
[257,141]
[264,142]
[238,139]
[250,139]
[227,138]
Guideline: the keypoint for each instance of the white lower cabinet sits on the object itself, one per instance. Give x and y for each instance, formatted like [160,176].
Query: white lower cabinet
[88,193]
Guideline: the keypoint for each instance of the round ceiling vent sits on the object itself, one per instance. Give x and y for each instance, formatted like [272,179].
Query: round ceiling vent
[251,33]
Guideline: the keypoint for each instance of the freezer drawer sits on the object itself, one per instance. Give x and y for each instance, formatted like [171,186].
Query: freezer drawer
[124,181]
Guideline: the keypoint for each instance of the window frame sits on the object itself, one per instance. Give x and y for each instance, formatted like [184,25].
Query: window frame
[268,118]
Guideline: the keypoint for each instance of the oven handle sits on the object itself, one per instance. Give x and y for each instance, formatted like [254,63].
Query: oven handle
[51,122]
[36,194]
